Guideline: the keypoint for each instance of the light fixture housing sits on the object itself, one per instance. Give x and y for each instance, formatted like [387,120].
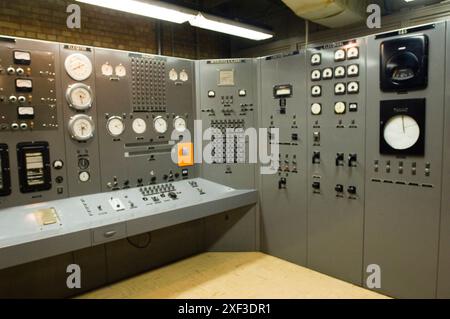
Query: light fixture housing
[231,27]
[151,9]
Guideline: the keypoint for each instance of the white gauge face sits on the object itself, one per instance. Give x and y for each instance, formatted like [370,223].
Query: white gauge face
[401,132]
[353,53]
[184,76]
[115,126]
[173,75]
[22,55]
[316,75]
[327,73]
[107,69]
[78,66]
[353,70]
[339,55]
[81,127]
[179,124]
[79,96]
[139,126]
[160,125]
[353,87]
[316,59]
[316,90]
[84,177]
[316,109]
[339,88]
[340,107]
[121,71]
[339,72]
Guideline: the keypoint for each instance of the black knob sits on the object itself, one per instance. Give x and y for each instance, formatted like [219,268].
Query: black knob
[352,190]
[173,195]
[165,177]
[339,188]
[153,179]
[316,185]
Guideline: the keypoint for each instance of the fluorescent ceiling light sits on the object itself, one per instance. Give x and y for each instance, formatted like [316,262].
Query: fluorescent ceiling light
[229,27]
[152,9]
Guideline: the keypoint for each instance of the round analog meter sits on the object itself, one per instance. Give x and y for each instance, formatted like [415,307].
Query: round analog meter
[179,124]
[81,127]
[173,75]
[79,96]
[401,132]
[316,109]
[78,66]
[160,125]
[107,69]
[115,126]
[339,55]
[184,76]
[84,177]
[139,126]
[340,107]
[121,70]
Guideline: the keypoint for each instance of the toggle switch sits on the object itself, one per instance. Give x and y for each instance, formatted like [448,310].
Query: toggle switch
[339,188]
[352,160]
[351,190]
[340,159]
[316,158]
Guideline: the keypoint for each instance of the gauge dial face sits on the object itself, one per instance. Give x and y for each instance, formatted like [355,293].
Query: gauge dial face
[184,76]
[115,126]
[327,73]
[78,66]
[401,132]
[81,127]
[121,70]
[139,126]
[316,59]
[353,53]
[84,177]
[79,96]
[173,75]
[179,124]
[340,107]
[316,108]
[339,55]
[160,125]
[107,69]
[339,72]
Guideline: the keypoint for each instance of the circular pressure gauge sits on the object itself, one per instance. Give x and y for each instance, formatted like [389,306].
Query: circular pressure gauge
[139,126]
[115,126]
[401,132]
[79,96]
[81,127]
[78,66]
[121,71]
[107,69]
[160,125]
[179,124]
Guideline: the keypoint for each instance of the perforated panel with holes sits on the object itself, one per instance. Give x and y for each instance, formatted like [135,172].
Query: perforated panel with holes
[228,147]
[148,86]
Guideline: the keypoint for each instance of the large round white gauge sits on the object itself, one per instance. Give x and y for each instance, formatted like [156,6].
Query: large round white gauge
[139,126]
[179,124]
[316,59]
[316,109]
[401,132]
[115,126]
[78,66]
[160,125]
[340,108]
[353,53]
[107,69]
[121,71]
[79,96]
[81,127]
[173,75]
[184,76]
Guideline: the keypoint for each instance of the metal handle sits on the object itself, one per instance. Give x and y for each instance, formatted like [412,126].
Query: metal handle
[110,234]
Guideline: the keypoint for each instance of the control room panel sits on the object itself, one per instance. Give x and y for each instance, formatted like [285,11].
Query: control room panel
[360,177]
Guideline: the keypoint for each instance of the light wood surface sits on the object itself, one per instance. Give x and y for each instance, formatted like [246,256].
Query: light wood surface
[232,275]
